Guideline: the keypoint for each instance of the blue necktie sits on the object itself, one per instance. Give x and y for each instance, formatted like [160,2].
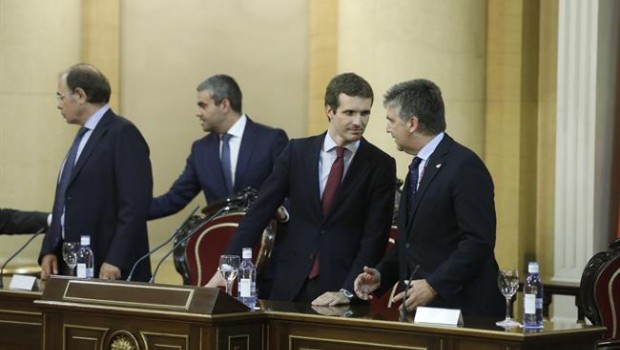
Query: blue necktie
[65,176]
[412,187]
[225,159]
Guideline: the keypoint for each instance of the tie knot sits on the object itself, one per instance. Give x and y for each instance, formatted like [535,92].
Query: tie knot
[415,163]
[83,130]
[226,137]
[340,151]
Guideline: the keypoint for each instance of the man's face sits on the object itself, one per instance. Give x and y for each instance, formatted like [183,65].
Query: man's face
[348,122]
[399,129]
[211,115]
[67,102]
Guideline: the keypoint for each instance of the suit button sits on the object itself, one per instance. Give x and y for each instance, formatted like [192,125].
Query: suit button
[407,245]
[322,232]
[311,256]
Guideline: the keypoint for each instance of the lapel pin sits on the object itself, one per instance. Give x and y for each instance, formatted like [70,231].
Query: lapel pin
[438,166]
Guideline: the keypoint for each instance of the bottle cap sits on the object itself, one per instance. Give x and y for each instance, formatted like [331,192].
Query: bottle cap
[532,267]
[85,240]
[247,253]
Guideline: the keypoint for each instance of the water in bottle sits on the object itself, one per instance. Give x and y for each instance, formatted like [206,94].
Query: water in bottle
[533,298]
[85,259]
[247,280]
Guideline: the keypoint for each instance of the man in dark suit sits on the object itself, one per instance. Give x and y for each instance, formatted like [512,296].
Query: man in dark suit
[446,221]
[105,185]
[336,227]
[253,148]
[20,221]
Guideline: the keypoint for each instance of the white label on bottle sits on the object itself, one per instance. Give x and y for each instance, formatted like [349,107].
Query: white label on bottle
[529,303]
[81,271]
[90,272]
[245,287]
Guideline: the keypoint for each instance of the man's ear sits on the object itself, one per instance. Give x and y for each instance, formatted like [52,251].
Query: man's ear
[329,112]
[413,124]
[225,105]
[80,94]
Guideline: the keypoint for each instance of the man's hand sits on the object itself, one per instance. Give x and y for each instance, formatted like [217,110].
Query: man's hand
[366,283]
[216,281]
[109,272]
[419,293]
[331,299]
[49,266]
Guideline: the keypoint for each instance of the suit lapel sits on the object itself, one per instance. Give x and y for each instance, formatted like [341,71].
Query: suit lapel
[248,142]
[431,169]
[209,163]
[97,133]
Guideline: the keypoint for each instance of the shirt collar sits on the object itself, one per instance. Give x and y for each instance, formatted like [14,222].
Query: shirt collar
[94,119]
[329,144]
[430,147]
[236,129]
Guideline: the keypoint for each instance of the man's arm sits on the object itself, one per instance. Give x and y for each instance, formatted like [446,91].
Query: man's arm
[134,182]
[18,221]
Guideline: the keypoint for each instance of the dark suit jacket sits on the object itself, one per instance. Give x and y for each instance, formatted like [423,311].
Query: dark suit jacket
[354,232]
[450,234]
[18,221]
[108,198]
[260,146]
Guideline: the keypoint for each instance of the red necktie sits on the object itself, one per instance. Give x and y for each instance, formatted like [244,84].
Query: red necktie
[333,182]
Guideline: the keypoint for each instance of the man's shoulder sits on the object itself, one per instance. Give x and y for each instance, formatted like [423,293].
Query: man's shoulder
[260,128]
[374,151]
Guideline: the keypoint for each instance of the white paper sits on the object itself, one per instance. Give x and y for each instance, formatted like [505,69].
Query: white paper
[23,282]
[435,315]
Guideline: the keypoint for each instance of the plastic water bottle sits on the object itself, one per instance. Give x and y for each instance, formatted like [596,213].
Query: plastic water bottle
[533,298]
[85,259]
[247,279]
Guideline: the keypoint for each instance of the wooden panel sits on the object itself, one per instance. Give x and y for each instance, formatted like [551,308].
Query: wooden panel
[20,320]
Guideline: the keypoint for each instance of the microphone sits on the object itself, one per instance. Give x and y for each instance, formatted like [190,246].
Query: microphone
[15,254]
[174,234]
[183,240]
[403,313]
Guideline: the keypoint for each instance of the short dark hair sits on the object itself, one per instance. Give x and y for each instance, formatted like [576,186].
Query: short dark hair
[349,84]
[223,87]
[420,98]
[88,78]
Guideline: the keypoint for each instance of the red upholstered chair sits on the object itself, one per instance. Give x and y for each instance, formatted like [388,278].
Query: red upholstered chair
[206,239]
[600,294]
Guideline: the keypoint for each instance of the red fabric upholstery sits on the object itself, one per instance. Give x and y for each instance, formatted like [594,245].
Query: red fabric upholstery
[607,296]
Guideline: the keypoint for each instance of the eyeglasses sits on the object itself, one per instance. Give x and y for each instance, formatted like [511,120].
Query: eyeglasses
[60,97]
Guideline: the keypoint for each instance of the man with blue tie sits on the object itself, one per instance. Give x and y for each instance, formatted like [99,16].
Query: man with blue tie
[105,185]
[446,220]
[236,154]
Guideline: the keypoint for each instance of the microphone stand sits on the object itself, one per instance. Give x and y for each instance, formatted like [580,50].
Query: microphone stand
[403,313]
[174,234]
[183,240]
[15,254]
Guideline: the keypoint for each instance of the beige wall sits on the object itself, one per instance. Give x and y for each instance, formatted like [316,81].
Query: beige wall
[34,47]
[155,53]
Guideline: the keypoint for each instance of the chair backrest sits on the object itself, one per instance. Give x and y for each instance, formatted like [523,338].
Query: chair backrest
[205,239]
[600,290]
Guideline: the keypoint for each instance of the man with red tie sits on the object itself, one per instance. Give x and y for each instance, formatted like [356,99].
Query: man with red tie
[341,193]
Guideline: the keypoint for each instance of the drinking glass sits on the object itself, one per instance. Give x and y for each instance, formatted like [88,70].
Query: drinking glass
[69,254]
[229,266]
[508,283]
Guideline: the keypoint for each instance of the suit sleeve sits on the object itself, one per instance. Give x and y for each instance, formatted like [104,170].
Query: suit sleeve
[377,220]
[182,191]
[472,196]
[271,195]
[17,221]
[134,186]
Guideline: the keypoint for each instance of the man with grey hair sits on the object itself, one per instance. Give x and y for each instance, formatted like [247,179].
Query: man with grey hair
[236,154]
[446,220]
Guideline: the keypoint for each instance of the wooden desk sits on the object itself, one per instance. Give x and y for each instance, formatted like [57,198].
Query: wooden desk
[87,314]
[20,320]
[294,327]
